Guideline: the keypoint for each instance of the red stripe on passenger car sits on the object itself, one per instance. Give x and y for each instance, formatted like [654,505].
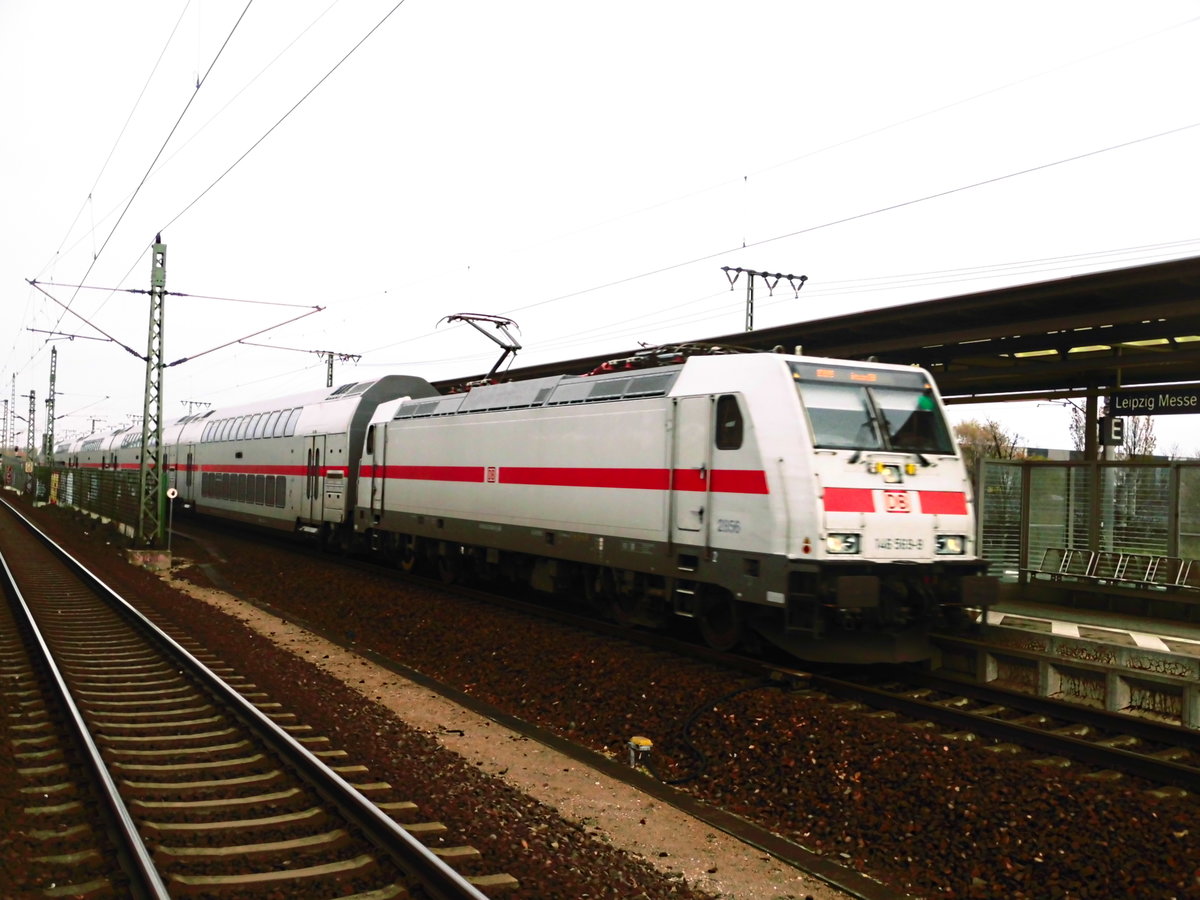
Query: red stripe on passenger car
[943,503]
[849,499]
[426,473]
[637,479]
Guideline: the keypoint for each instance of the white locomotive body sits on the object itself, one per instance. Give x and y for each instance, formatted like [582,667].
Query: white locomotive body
[821,502]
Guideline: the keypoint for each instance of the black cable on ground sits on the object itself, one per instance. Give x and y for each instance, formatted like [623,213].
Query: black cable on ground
[699,755]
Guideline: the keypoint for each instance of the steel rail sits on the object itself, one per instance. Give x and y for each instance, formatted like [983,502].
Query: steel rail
[439,880]
[145,881]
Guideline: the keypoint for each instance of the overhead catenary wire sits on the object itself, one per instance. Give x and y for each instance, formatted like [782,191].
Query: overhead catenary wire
[158,154]
[88,201]
[831,223]
[95,287]
[844,288]
[282,118]
[164,162]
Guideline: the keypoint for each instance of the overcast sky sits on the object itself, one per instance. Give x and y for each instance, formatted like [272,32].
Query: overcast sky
[583,169]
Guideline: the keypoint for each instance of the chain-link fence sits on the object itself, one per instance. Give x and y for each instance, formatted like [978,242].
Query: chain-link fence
[111,495]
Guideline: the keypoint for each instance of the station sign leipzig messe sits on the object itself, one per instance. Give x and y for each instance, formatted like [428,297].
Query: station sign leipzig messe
[1156,401]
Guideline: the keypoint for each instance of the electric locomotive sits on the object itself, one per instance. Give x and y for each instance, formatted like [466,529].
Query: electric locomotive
[821,504]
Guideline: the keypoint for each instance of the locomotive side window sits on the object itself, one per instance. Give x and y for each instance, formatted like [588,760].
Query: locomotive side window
[729,423]
[269,430]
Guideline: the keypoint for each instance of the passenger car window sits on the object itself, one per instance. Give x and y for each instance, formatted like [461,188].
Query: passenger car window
[292,419]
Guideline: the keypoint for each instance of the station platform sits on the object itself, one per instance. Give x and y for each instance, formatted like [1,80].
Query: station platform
[1161,635]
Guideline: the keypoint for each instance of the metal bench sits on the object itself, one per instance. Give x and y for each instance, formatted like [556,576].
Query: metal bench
[1115,568]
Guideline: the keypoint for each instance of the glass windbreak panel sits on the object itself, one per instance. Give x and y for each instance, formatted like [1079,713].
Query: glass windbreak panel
[840,416]
[913,421]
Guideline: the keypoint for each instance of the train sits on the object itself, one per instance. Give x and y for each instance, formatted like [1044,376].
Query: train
[818,505]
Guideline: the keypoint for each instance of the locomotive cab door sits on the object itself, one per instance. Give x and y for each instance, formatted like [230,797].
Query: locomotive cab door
[313,503]
[376,458]
[691,469]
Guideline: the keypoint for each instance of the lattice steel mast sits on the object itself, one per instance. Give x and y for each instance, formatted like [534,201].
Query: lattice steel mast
[151,480]
[49,453]
[30,442]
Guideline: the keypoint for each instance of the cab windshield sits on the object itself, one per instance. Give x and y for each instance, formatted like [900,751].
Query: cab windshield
[850,409]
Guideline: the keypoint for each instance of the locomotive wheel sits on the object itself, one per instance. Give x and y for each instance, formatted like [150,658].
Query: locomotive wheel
[720,621]
[450,566]
[406,555]
[622,609]
[599,588]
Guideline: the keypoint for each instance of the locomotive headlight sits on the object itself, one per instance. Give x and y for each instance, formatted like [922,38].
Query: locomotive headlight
[842,543]
[951,544]
[891,475]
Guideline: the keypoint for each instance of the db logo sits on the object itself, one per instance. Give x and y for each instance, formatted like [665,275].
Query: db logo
[897,501]
[491,474]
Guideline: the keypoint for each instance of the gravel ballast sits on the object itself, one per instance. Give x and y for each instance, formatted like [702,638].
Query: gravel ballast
[934,817]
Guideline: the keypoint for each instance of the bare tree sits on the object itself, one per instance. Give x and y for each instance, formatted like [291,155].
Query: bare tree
[1139,438]
[1078,428]
[986,440]
[1139,435]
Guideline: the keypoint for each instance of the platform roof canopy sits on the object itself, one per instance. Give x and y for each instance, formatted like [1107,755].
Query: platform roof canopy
[1101,331]
[1070,337]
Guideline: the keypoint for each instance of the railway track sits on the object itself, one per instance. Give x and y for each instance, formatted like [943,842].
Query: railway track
[779,831]
[1053,733]
[1043,734]
[145,770]
[1108,744]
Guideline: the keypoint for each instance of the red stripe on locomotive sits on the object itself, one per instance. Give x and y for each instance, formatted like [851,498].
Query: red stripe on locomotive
[849,499]
[944,503]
